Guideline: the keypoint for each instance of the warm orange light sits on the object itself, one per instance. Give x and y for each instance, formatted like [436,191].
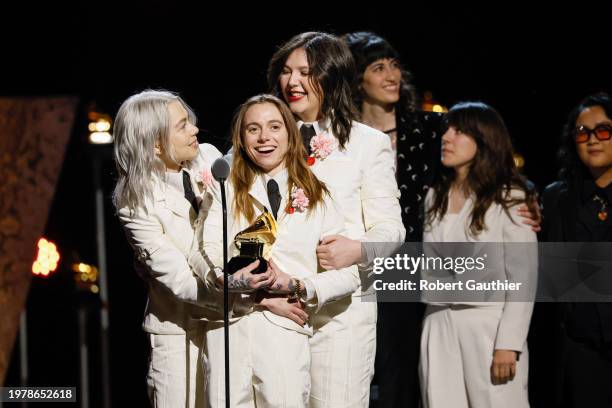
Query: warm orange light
[85,273]
[430,105]
[100,138]
[439,108]
[99,128]
[519,160]
[47,259]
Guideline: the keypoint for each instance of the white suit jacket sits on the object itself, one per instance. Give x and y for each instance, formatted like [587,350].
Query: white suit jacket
[294,251]
[506,264]
[362,181]
[162,234]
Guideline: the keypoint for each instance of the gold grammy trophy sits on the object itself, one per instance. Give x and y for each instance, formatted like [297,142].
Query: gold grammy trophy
[254,242]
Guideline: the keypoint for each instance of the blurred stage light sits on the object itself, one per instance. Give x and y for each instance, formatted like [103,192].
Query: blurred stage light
[519,161]
[430,105]
[99,128]
[47,259]
[100,138]
[439,108]
[86,277]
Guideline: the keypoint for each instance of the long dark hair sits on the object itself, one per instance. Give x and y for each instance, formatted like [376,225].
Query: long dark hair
[331,69]
[368,47]
[493,173]
[571,167]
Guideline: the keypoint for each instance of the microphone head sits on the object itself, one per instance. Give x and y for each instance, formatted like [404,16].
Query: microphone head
[220,169]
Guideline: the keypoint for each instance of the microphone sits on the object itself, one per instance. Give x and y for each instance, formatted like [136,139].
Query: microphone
[220,170]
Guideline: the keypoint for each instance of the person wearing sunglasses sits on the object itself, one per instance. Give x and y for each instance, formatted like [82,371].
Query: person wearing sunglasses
[577,209]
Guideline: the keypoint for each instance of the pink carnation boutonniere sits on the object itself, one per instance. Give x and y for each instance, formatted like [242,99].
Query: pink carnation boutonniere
[299,201]
[321,146]
[205,177]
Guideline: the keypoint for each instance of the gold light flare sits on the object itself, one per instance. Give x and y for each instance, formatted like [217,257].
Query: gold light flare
[99,128]
[519,161]
[47,259]
[86,276]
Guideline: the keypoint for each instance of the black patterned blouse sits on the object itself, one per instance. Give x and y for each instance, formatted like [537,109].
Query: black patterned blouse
[418,146]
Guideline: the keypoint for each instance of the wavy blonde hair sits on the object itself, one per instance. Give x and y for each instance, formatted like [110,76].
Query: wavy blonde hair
[244,169]
[142,122]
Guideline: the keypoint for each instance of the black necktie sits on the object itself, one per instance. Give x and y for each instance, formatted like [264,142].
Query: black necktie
[307,132]
[274,196]
[189,194]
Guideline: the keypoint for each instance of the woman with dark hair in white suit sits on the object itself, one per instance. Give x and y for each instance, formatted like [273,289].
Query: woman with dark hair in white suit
[312,72]
[473,352]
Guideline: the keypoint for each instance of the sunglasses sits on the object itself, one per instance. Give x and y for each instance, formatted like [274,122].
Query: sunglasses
[582,134]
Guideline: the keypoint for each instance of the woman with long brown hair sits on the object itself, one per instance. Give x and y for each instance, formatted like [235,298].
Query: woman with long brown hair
[470,348]
[269,348]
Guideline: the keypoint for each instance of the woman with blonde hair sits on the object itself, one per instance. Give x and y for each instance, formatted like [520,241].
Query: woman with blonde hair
[161,196]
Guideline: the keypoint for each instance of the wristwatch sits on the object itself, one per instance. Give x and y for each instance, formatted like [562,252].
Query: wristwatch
[297,292]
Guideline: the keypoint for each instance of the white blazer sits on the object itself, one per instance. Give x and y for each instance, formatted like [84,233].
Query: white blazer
[362,180]
[294,250]
[162,234]
[506,264]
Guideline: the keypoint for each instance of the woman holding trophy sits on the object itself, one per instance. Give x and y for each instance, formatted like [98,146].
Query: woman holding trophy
[161,197]
[279,212]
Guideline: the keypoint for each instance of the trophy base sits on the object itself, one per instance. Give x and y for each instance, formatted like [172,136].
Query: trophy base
[239,262]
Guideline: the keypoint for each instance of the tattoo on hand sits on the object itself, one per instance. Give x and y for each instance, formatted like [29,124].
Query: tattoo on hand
[240,284]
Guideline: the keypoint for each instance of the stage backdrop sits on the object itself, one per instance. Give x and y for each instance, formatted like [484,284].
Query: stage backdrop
[34,133]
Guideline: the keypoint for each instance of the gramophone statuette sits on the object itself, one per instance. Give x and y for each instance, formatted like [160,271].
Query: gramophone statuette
[254,242]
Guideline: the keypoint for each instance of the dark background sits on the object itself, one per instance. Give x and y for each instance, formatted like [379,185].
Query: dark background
[532,65]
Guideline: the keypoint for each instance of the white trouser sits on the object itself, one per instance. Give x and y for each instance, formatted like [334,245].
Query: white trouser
[343,348]
[457,347]
[175,377]
[268,364]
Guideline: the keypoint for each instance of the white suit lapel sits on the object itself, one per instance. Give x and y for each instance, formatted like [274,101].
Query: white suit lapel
[174,201]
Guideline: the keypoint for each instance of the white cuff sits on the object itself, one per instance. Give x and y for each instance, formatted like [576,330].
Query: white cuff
[310,291]
[218,272]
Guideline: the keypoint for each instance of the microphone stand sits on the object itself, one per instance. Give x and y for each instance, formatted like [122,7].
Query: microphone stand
[225,296]
[220,170]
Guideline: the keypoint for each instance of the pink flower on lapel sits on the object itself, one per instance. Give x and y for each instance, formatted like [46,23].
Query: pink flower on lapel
[322,146]
[205,177]
[299,201]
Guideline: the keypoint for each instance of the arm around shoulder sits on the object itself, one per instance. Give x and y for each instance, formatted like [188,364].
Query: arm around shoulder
[333,284]
[521,266]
